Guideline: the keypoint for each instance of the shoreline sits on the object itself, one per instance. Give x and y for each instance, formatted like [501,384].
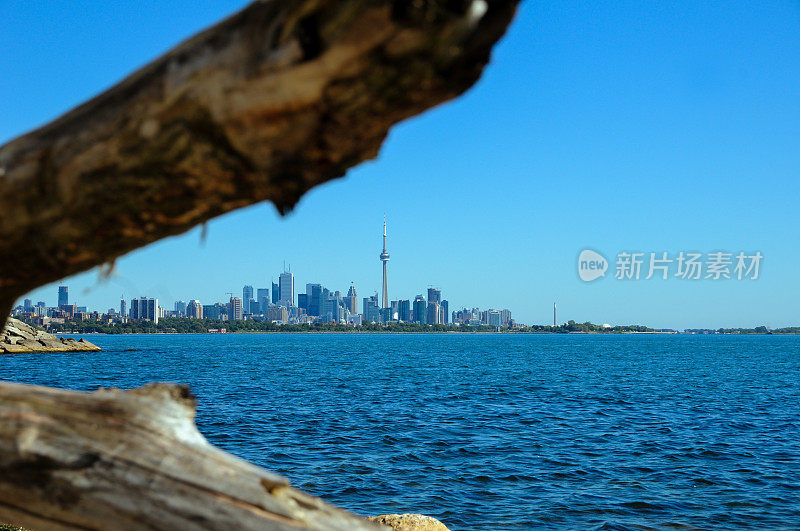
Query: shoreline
[437,332]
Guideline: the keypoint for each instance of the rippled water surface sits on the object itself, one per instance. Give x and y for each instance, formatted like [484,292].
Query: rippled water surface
[490,431]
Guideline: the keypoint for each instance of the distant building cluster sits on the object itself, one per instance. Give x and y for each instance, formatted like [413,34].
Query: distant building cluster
[280,304]
[476,317]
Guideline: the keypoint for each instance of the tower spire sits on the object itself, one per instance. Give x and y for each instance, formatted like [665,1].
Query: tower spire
[384,257]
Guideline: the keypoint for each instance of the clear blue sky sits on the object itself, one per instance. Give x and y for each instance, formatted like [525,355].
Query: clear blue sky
[616,126]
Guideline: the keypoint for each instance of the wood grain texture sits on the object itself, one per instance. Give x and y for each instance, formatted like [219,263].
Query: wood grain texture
[134,460]
[276,99]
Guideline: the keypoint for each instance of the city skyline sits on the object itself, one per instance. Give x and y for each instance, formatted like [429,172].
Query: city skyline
[433,310]
[280,303]
[655,130]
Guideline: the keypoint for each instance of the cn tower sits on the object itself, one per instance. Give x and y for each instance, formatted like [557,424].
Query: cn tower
[384,259]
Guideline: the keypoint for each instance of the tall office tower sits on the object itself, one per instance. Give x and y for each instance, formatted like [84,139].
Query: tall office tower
[351,300]
[384,258]
[152,310]
[27,305]
[505,317]
[395,313]
[302,301]
[212,311]
[194,309]
[275,293]
[263,298]
[331,304]
[404,311]
[434,313]
[122,306]
[314,299]
[235,309]
[446,311]
[419,309]
[180,308]
[372,313]
[286,289]
[247,296]
[434,295]
[326,305]
[145,309]
[63,296]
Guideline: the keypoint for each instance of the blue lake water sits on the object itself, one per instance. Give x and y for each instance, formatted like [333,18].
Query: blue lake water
[490,431]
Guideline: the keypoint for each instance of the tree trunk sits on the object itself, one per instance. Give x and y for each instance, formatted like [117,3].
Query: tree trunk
[134,460]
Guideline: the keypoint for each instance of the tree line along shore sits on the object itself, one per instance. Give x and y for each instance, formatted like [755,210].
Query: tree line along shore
[183,325]
[202,326]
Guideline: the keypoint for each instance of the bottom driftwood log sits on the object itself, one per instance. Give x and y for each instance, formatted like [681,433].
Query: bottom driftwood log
[134,459]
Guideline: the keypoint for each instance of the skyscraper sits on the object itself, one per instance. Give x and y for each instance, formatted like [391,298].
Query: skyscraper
[286,289]
[434,295]
[434,313]
[404,310]
[194,309]
[419,309]
[275,293]
[145,308]
[213,311]
[247,296]
[314,299]
[263,298]
[122,306]
[384,258]
[302,301]
[351,300]
[63,296]
[235,309]
[180,308]
[371,311]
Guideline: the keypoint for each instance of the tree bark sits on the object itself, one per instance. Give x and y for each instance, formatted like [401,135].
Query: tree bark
[134,460]
[276,99]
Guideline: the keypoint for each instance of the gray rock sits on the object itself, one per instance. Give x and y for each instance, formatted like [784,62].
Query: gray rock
[21,337]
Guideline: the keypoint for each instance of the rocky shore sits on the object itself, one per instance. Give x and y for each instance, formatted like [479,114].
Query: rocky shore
[20,337]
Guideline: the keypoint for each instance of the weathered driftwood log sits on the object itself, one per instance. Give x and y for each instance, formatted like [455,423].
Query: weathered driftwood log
[282,96]
[134,460]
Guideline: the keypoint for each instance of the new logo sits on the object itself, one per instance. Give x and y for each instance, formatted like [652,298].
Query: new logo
[591,265]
